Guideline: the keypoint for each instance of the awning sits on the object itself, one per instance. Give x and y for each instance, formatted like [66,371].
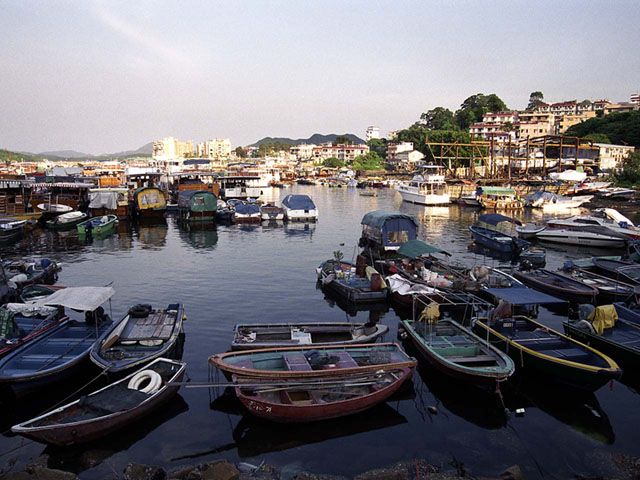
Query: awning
[416,248]
[523,296]
[85,299]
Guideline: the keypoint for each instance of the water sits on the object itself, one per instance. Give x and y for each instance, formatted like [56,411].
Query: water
[266,273]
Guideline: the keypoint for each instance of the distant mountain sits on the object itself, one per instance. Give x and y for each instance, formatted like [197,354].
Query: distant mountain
[64,154]
[316,138]
[146,149]
[143,150]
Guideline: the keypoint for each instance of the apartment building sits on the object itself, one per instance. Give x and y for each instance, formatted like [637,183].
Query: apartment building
[612,156]
[372,132]
[566,121]
[303,151]
[171,148]
[218,148]
[393,149]
[346,153]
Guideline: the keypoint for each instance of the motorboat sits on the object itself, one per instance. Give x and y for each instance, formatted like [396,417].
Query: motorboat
[10,227]
[593,236]
[66,221]
[528,231]
[299,207]
[270,212]
[357,285]
[616,192]
[429,189]
[604,217]
[486,233]
[552,202]
[246,212]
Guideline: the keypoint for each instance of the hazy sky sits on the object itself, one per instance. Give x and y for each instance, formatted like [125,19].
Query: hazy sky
[100,77]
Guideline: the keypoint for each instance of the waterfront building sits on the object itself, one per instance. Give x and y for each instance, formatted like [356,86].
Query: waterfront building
[372,132]
[407,160]
[303,151]
[621,107]
[393,149]
[612,156]
[346,153]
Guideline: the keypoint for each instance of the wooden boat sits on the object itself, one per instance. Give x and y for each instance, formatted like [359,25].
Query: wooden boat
[536,256]
[299,207]
[621,341]
[383,232]
[107,410]
[629,311]
[197,205]
[270,211]
[457,352]
[609,290]
[144,334]
[10,228]
[66,221]
[36,292]
[25,323]
[620,270]
[98,225]
[148,203]
[274,335]
[558,285]
[49,211]
[309,401]
[486,233]
[28,272]
[499,198]
[312,362]
[546,352]
[368,286]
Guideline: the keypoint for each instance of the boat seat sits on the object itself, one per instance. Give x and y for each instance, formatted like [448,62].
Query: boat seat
[474,359]
[344,360]
[296,362]
[244,363]
[572,354]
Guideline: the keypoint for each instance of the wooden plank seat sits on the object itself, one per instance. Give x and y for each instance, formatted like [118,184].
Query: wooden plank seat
[572,354]
[472,359]
[155,326]
[344,361]
[296,362]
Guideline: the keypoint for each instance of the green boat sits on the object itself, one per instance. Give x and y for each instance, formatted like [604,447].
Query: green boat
[197,205]
[66,221]
[98,225]
[457,352]
[539,349]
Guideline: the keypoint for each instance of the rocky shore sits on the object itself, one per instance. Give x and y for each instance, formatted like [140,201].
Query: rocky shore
[606,466]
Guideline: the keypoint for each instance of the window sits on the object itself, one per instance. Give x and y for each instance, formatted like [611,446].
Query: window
[400,236]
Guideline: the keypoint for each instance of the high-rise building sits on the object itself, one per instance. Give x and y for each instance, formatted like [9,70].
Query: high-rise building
[372,132]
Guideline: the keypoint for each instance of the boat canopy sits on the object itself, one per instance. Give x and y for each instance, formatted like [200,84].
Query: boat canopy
[298,202]
[107,200]
[247,208]
[198,200]
[389,229]
[416,248]
[150,198]
[523,296]
[496,191]
[495,218]
[85,299]
[379,218]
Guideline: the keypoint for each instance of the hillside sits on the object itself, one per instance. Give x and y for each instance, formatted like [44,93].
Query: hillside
[621,128]
[26,157]
[316,138]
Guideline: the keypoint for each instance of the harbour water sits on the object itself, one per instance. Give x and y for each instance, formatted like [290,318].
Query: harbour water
[266,273]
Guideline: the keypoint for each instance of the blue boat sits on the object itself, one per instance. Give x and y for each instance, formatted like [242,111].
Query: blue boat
[60,351]
[485,232]
[383,232]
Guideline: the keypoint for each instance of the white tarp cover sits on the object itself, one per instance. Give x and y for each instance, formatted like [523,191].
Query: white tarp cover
[79,298]
[103,200]
[569,176]
[403,286]
[30,310]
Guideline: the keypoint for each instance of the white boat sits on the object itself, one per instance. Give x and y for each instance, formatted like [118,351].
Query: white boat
[299,207]
[529,230]
[616,192]
[54,208]
[604,217]
[470,200]
[587,237]
[552,202]
[271,212]
[430,189]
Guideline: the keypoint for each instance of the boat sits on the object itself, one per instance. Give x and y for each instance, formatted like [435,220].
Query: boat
[558,285]
[383,232]
[197,205]
[224,212]
[246,212]
[603,217]
[616,192]
[299,207]
[109,201]
[270,211]
[609,290]
[148,203]
[470,199]
[629,310]
[30,271]
[250,336]
[568,176]
[292,401]
[143,335]
[609,334]
[541,350]
[103,225]
[430,189]
[621,270]
[10,228]
[66,221]
[587,187]
[552,202]
[20,323]
[59,352]
[535,256]
[108,409]
[369,193]
[358,284]
[456,351]
[486,233]
[37,291]
[499,198]
[49,211]
[528,231]
[311,362]
[592,236]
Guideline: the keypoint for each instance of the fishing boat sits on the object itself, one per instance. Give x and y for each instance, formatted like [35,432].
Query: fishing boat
[486,233]
[294,401]
[250,336]
[66,221]
[456,351]
[59,352]
[20,324]
[197,205]
[609,334]
[312,362]
[537,348]
[109,409]
[499,198]
[383,232]
[629,310]
[360,284]
[49,211]
[552,202]
[148,203]
[143,335]
[299,207]
[36,292]
[270,211]
[535,256]
[558,285]
[30,271]
[592,236]
[603,217]
[103,225]
[11,228]
[429,189]
[609,290]
[623,271]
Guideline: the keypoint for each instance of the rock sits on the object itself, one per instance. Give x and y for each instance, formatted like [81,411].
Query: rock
[396,472]
[43,473]
[136,471]
[220,470]
[191,472]
[41,461]
[16,476]
[512,473]
[313,476]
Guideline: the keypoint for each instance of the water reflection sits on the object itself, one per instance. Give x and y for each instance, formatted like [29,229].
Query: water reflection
[376,310]
[299,229]
[152,236]
[201,236]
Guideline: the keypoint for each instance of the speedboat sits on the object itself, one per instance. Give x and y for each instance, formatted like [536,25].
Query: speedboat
[552,202]
[604,217]
[486,233]
[299,207]
[594,236]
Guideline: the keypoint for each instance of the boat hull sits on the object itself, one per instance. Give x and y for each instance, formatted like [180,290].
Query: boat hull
[558,286]
[572,237]
[483,238]
[424,199]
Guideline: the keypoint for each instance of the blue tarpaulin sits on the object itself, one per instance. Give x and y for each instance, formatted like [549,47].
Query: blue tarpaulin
[247,208]
[523,296]
[298,202]
[495,218]
[378,218]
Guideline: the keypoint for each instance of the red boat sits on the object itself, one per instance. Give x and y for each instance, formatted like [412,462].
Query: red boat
[309,401]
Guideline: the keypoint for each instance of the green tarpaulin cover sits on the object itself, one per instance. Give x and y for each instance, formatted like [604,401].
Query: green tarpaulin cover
[416,248]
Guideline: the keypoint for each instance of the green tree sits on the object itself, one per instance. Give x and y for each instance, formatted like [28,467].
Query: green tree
[342,140]
[439,118]
[475,106]
[379,146]
[598,138]
[272,148]
[369,161]
[416,134]
[535,99]
[622,128]
[241,152]
[630,172]
[333,162]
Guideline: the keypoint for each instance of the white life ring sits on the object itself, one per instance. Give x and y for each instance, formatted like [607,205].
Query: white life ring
[155,381]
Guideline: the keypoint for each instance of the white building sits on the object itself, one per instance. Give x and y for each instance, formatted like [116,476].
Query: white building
[372,132]
[611,156]
[393,149]
[303,151]
[170,147]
